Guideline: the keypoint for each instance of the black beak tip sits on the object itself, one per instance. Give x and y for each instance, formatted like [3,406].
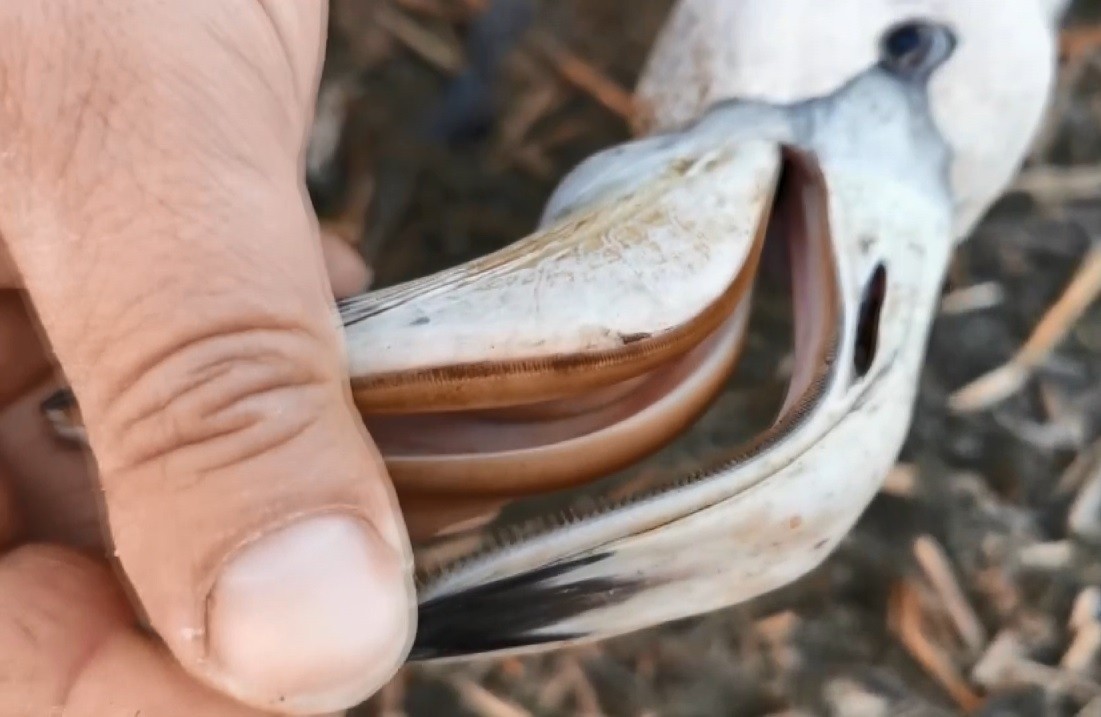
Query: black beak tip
[513,613]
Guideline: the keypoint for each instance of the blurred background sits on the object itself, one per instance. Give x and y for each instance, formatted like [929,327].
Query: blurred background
[972,585]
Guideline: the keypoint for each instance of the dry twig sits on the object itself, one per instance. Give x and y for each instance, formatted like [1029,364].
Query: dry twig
[442,53]
[1081,471]
[526,113]
[1004,666]
[901,481]
[908,623]
[938,570]
[584,76]
[1093,709]
[1087,608]
[1052,329]
[1057,185]
[1084,518]
[1083,650]
[585,696]
[1085,624]
[972,298]
[482,702]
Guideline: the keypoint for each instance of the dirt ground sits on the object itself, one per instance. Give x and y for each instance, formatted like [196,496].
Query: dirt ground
[966,587]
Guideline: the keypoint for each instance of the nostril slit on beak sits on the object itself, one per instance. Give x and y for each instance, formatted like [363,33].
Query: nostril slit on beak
[867,328]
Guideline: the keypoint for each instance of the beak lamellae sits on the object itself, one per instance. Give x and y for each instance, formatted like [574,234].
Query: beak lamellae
[576,351]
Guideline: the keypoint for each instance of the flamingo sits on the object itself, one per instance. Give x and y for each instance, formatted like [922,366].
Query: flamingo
[869,137]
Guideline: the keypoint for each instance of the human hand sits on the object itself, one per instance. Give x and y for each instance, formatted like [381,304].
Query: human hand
[153,214]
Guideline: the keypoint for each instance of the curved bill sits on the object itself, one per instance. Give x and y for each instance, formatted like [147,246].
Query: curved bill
[867,225]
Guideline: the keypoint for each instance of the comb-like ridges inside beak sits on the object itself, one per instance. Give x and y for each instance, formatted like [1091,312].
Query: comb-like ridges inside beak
[574,352]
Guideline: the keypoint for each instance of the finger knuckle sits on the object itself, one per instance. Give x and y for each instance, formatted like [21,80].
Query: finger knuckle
[220,399]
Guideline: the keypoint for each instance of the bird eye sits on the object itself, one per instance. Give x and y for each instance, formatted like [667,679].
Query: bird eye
[914,49]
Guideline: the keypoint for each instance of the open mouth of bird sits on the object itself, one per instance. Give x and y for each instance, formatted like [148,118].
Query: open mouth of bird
[514,397]
[496,388]
[612,333]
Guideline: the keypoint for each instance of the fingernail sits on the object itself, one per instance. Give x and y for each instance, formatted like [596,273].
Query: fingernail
[315,617]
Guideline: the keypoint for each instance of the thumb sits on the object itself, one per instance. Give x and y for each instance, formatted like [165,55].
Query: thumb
[163,233]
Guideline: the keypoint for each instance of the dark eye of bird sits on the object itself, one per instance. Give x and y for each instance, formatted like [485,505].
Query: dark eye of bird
[915,48]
